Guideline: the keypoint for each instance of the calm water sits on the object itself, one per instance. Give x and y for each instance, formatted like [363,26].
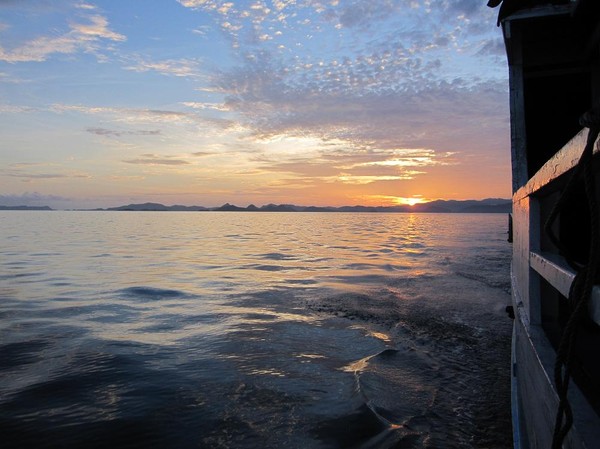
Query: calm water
[241,330]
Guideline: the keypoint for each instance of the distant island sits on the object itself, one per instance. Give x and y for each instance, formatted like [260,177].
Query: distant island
[25,208]
[490,205]
[158,207]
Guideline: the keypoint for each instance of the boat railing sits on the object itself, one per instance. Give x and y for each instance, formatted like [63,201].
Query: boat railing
[573,226]
[542,280]
[556,271]
[537,197]
[562,162]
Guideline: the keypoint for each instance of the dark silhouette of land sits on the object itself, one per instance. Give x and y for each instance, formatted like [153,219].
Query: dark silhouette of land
[25,208]
[490,205]
[158,207]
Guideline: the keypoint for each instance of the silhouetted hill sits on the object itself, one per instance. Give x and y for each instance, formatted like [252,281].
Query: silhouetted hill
[491,205]
[505,208]
[280,208]
[25,208]
[156,207]
[230,208]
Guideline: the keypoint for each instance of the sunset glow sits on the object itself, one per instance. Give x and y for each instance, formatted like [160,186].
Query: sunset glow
[410,201]
[202,102]
[387,200]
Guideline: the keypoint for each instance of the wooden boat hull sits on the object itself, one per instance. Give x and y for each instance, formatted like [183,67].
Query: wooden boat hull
[553,53]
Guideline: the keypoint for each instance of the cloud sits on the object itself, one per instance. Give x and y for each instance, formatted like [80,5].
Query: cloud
[202,30]
[14,109]
[467,7]
[357,166]
[204,153]
[97,29]
[87,6]
[171,67]
[153,159]
[38,50]
[32,171]
[361,13]
[36,175]
[360,93]
[115,133]
[206,106]
[82,37]
[428,113]
[246,22]
[387,112]
[198,3]
[31,199]
[145,116]
[366,179]
[492,47]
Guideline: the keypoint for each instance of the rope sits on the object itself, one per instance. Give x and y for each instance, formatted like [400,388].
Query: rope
[581,288]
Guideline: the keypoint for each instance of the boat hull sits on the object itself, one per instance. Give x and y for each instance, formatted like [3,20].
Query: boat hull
[534,396]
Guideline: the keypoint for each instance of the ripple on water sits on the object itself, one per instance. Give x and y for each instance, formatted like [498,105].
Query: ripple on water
[264,267]
[277,256]
[21,353]
[245,342]
[392,374]
[150,293]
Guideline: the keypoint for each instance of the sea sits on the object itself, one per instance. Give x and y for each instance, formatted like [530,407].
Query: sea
[254,330]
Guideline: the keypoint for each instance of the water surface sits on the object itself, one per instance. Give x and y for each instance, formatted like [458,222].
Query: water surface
[241,330]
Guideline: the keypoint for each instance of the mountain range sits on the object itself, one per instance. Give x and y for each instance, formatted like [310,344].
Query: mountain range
[490,205]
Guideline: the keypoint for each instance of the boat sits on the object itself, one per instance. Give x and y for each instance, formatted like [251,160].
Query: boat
[553,53]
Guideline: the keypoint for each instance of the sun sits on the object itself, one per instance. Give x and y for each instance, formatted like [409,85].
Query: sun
[390,200]
[410,201]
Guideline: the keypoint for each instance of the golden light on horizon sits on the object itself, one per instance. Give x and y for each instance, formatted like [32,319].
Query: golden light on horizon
[397,200]
[411,201]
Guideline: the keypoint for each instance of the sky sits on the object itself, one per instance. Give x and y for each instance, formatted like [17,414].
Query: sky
[203,102]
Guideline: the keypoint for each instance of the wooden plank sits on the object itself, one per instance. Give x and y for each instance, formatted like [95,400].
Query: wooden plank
[539,401]
[559,164]
[524,236]
[557,272]
[554,269]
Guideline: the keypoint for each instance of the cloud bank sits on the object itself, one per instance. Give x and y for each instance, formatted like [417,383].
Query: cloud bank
[351,100]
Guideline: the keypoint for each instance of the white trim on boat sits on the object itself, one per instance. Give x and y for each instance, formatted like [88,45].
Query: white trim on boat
[559,164]
[554,269]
